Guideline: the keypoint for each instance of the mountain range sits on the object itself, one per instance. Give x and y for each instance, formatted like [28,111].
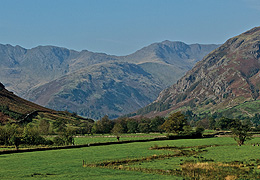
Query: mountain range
[96,84]
[225,82]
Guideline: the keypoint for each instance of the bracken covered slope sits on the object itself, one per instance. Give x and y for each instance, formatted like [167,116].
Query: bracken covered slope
[18,104]
[227,80]
[18,107]
[14,109]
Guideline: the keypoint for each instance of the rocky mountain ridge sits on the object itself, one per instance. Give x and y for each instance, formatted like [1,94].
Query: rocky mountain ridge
[226,81]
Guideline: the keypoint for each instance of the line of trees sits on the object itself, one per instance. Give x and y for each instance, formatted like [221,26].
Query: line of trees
[178,123]
[128,125]
[15,135]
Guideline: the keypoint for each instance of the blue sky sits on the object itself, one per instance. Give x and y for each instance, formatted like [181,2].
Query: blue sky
[121,27]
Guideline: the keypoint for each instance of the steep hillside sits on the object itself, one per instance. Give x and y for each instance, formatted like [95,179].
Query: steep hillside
[226,81]
[15,109]
[18,104]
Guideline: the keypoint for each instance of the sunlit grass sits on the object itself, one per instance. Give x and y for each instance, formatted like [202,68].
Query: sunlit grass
[111,138]
[67,164]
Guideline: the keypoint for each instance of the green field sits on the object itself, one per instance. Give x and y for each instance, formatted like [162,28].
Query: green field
[112,138]
[97,138]
[67,164]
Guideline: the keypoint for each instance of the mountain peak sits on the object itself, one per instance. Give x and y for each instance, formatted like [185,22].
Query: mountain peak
[167,42]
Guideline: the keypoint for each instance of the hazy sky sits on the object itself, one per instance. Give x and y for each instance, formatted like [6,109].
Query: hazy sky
[121,27]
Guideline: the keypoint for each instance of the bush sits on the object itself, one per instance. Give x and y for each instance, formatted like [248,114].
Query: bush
[31,136]
[199,131]
[58,141]
[64,138]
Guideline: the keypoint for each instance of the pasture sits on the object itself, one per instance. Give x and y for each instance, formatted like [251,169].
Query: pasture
[111,138]
[67,164]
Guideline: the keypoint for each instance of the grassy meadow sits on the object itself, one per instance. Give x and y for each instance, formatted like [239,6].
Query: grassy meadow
[112,138]
[67,164]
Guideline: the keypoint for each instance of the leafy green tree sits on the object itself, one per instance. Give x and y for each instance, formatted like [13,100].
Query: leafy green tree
[117,130]
[94,128]
[132,126]
[175,123]
[226,123]
[187,130]
[85,128]
[31,135]
[7,132]
[240,131]
[58,141]
[156,123]
[143,127]
[143,124]
[11,135]
[105,125]
[65,137]
[123,121]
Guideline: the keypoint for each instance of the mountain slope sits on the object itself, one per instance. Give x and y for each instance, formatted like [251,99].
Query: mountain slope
[109,88]
[224,80]
[18,104]
[23,69]
[14,109]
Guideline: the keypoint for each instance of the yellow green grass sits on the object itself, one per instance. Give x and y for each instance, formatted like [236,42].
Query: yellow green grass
[67,164]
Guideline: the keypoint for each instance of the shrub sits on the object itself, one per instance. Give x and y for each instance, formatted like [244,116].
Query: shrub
[58,141]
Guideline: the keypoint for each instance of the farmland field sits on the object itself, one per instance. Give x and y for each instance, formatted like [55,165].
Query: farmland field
[96,138]
[112,138]
[67,164]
